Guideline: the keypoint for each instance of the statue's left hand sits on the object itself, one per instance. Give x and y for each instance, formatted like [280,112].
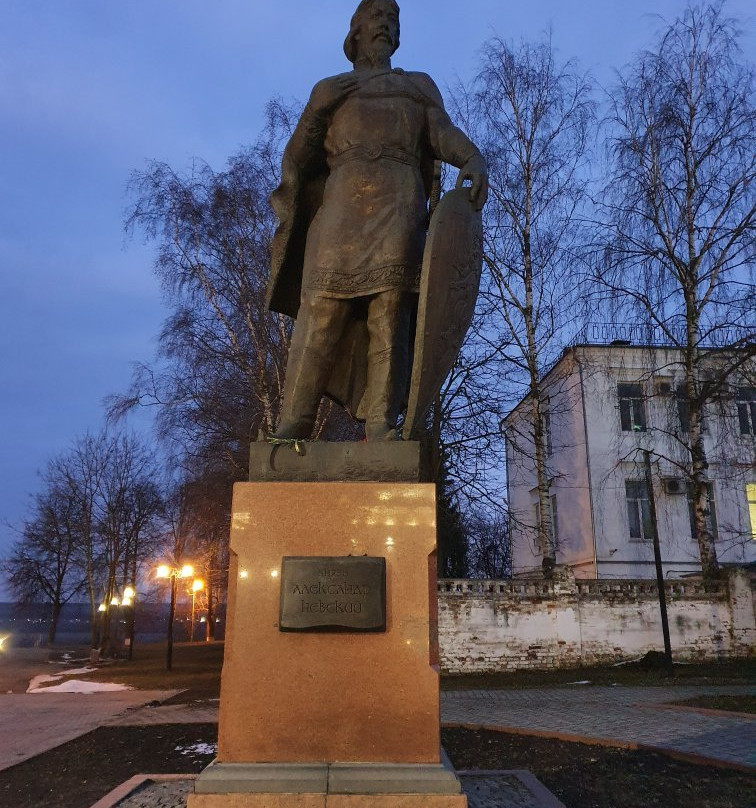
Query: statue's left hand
[476,171]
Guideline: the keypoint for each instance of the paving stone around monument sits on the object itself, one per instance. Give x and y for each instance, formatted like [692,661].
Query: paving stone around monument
[495,789]
[157,794]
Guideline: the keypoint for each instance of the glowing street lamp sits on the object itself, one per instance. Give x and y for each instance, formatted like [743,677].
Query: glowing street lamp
[163,572]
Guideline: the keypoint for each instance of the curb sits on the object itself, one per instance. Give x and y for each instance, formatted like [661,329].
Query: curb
[112,798]
[616,743]
[683,708]
[541,794]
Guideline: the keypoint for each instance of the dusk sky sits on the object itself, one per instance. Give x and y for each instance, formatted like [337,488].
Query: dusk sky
[91,89]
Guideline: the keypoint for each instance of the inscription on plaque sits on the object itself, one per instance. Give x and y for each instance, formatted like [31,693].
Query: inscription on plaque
[333,593]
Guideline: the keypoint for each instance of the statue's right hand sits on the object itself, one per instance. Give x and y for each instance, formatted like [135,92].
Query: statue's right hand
[329,93]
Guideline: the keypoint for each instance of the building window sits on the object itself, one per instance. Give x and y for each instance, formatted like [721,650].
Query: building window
[751,497]
[683,408]
[632,411]
[711,508]
[546,415]
[638,510]
[746,401]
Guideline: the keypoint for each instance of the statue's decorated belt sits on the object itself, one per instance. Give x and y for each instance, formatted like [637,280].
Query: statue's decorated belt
[373,151]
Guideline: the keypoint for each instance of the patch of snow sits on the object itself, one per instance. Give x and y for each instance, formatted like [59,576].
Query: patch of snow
[198,749]
[80,686]
[627,662]
[581,682]
[35,685]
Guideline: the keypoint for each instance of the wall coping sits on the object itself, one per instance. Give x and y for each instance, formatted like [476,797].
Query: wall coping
[540,587]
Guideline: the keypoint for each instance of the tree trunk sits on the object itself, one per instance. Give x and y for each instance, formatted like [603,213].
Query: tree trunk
[55,610]
[699,465]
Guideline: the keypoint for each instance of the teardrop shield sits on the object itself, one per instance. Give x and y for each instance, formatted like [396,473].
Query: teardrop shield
[452,265]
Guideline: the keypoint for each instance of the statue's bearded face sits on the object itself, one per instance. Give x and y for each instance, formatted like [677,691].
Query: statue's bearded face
[378,30]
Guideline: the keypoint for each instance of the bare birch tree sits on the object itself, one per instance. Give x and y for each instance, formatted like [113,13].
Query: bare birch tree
[679,217]
[109,479]
[532,118]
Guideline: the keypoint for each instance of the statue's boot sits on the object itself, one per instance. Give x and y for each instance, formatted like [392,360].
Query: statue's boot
[306,378]
[319,326]
[388,364]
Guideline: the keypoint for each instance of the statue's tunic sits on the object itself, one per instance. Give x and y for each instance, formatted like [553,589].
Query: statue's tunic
[352,203]
[369,233]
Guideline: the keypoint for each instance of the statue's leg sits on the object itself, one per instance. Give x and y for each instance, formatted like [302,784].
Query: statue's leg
[320,324]
[388,325]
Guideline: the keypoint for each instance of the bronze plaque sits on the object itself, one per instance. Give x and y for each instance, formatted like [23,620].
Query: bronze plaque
[333,593]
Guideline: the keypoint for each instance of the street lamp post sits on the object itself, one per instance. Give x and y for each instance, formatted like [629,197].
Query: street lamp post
[174,573]
[197,586]
[127,601]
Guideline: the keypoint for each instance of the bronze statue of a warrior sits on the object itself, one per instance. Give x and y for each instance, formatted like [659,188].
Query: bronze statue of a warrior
[353,211]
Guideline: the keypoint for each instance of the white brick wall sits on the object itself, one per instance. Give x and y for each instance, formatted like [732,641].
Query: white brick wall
[489,626]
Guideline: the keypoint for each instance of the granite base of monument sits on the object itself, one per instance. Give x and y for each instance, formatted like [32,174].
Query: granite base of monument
[329,691]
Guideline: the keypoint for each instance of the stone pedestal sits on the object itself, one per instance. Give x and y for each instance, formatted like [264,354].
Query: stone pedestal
[338,719]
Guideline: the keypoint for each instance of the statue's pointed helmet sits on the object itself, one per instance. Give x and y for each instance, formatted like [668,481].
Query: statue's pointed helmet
[350,43]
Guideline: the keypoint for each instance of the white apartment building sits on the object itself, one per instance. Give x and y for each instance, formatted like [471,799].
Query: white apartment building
[604,405]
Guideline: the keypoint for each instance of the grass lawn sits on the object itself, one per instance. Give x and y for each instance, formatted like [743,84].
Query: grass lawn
[196,669]
[197,666]
[639,674]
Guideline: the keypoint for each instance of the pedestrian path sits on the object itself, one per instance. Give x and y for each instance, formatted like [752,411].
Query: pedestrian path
[201,712]
[32,723]
[632,716]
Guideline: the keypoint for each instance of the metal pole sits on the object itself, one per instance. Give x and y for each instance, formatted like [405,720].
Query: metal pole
[171,616]
[658,560]
[191,629]
[131,629]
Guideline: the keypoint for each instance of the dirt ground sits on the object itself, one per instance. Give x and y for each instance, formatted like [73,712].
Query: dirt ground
[589,776]
[78,773]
